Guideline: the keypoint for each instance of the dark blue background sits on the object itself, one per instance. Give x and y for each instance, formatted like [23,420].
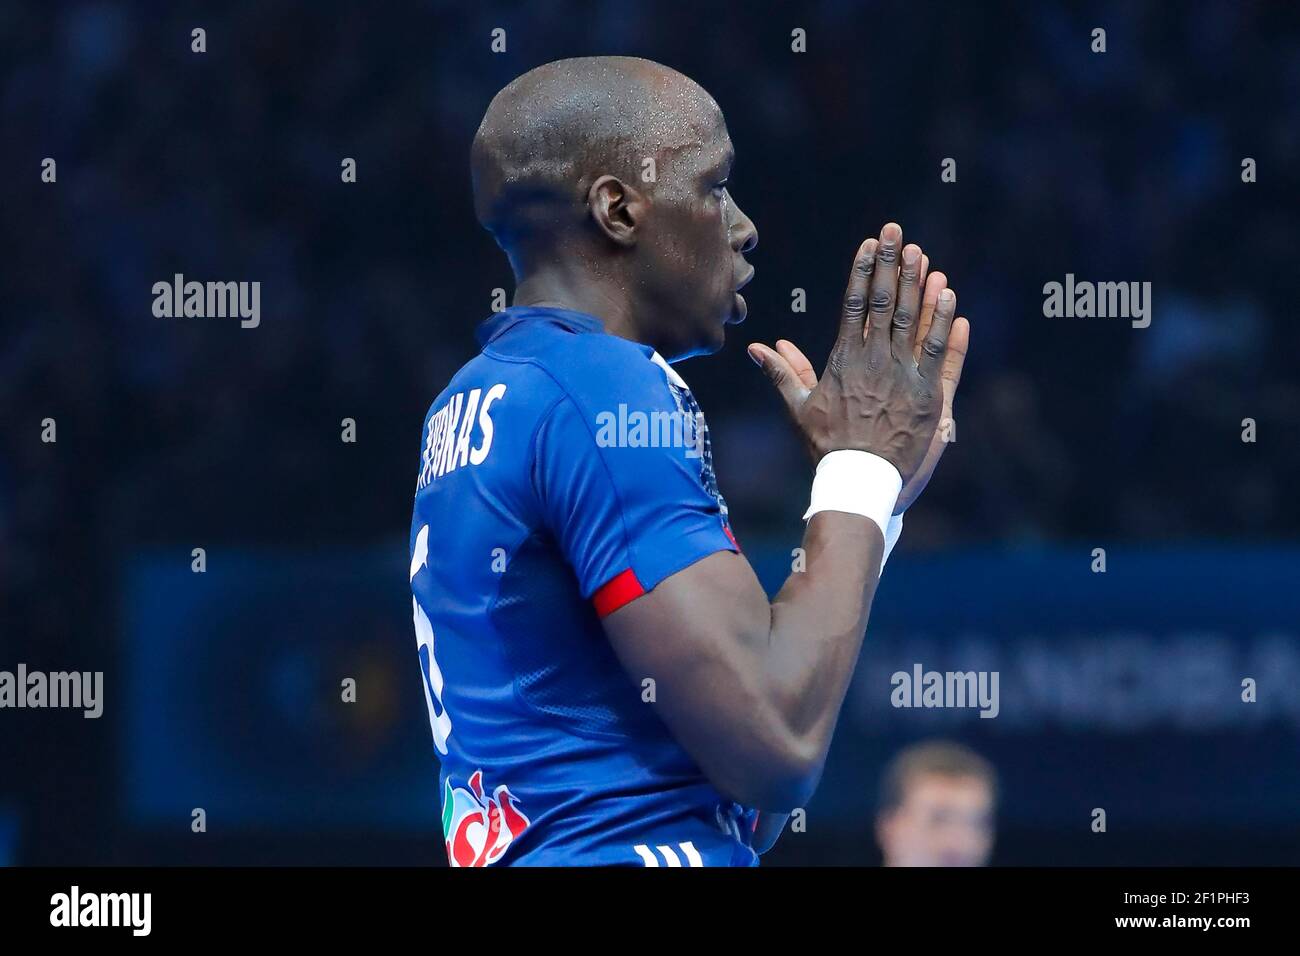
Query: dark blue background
[222,690]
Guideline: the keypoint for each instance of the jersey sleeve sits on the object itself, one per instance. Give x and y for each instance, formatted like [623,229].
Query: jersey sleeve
[626,513]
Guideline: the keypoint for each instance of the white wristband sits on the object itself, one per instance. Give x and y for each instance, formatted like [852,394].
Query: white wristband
[857,483]
[892,532]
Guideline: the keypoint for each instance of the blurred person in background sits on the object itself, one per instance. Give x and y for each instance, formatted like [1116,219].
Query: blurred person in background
[937,805]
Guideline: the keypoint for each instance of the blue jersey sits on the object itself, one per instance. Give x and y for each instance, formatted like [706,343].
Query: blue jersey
[564,472]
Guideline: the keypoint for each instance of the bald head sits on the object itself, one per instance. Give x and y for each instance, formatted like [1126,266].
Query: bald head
[550,133]
[605,181]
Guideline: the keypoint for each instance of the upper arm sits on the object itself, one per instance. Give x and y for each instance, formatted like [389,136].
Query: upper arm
[700,637]
[626,515]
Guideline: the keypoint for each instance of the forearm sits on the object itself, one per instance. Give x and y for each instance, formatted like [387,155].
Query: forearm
[818,620]
[813,630]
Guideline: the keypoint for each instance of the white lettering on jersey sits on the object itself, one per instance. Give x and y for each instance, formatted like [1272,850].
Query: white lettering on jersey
[439,719]
[453,419]
[485,424]
[451,431]
[461,455]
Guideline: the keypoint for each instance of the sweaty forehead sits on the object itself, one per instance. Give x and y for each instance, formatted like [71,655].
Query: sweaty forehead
[680,113]
[715,149]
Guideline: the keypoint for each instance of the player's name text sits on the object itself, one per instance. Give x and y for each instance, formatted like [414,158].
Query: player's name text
[459,433]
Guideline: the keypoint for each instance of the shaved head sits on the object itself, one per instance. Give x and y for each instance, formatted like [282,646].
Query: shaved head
[604,180]
[552,131]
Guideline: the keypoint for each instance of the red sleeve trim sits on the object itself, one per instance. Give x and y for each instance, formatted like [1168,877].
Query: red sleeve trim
[622,589]
[731,537]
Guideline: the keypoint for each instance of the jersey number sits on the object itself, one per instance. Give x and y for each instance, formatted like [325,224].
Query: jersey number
[439,719]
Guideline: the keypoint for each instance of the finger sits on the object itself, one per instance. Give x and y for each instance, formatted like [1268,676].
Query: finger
[884,292]
[908,307]
[935,343]
[934,283]
[799,362]
[924,278]
[780,374]
[854,312]
[955,357]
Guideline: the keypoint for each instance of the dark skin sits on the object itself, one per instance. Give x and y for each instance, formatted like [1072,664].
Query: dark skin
[661,266]
[752,688]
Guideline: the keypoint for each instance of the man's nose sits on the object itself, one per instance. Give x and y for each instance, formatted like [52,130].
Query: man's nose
[744,234]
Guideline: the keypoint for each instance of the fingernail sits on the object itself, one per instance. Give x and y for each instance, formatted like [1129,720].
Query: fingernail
[911,254]
[756,355]
[946,296]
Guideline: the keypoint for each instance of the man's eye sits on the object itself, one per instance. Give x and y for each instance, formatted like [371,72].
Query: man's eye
[720,188]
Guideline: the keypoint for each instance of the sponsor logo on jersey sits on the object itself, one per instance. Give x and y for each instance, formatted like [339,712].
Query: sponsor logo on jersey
[478,828]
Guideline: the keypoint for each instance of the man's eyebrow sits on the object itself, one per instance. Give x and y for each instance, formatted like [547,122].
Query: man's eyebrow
[727,161]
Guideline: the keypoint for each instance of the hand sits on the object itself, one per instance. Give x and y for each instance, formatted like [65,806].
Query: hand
[949,377]
[882,390]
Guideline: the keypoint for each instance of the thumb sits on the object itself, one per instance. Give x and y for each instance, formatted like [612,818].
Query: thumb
[780,373]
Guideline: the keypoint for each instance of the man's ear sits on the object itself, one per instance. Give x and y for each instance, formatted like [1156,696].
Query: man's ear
[616,208]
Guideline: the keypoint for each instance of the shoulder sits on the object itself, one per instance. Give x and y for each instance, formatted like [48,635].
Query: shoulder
[599,372]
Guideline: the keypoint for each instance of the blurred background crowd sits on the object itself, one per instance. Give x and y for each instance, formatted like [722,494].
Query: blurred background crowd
[174,434]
